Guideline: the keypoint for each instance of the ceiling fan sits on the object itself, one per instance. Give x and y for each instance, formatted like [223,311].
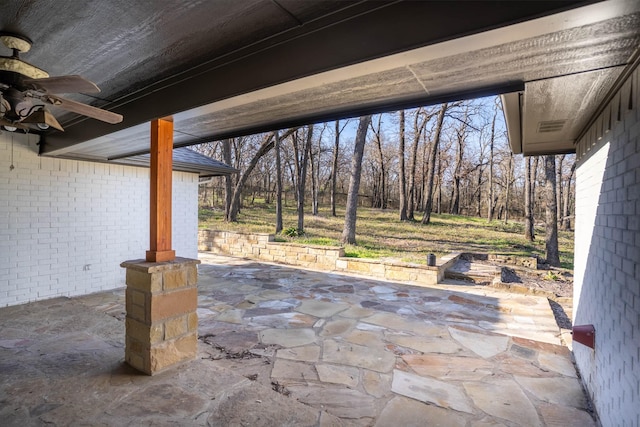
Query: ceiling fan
[26,90]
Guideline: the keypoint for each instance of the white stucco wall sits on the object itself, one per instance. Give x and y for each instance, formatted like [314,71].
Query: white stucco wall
[65,225]
[607,258]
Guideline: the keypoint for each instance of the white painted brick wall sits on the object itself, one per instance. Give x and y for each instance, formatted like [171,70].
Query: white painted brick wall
[607,258]
[65,225]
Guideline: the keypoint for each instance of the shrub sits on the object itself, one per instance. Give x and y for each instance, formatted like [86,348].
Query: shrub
[291,232]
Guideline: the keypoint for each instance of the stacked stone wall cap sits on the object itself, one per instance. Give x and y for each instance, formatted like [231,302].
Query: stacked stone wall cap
[158,267]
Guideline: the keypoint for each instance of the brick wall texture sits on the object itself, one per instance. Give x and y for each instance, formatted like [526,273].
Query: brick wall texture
[607,257]
[66,225]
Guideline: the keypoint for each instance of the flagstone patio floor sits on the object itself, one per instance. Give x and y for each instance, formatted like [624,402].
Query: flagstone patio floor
[286,346]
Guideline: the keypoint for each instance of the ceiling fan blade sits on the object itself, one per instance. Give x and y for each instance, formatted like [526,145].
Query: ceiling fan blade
[84,109]
[18,125]
[63,84]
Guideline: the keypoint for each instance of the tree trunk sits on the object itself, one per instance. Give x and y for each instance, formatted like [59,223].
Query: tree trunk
[267,187]
[528,201]
[402,178]
[439,185]
[457,175]
[423,175]
[228,183]
[334,168]
[491,204]
[428,191]
[479,195]
[314,181]
[506,191]
[559,187]
[302,179]
[566,220]
[418,128]
[551,234]
[278,185]
[379,199]
[349,232]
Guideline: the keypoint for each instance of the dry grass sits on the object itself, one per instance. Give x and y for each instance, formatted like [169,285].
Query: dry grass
[380,234]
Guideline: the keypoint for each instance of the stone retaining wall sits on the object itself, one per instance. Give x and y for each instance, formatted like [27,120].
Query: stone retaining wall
[263,247]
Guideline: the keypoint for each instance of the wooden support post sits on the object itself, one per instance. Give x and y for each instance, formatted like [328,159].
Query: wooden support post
[160,207]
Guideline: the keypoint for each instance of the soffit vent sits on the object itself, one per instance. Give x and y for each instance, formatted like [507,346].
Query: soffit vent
[551,126]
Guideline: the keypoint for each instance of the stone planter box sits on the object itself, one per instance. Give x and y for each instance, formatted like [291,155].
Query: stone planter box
[262,246]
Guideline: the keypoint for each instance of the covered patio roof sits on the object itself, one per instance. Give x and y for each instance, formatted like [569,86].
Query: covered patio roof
[224,69]
[185,160]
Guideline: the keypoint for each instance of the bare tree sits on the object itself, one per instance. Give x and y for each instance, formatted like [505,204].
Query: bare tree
[566,219]
[334,164]
[279,225]
[528,199]
[428,191]
[418,130]
[380,187]
[491,205]
[508,187]
[228,183]
[349,231]
[314,157]
[475,176]
[301,160]
[551,234]
[559,164]
[457,174]
[265,146]
[402,178]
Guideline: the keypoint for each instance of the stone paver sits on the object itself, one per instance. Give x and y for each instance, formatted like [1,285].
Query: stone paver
[401,411]
[286,346]
[341,402]
[429,390]
[336,374]
[348,354]
[321,308]
[376,384]
[310,353]
[288,369]
[288,337]
[561,391]
[561,416]
[447,367]
[284,320]
[482,344]
[504,399]
[432,344]
[337,327]
[557,363]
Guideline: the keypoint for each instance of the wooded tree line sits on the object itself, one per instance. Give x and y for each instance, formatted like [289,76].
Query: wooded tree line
[450,158]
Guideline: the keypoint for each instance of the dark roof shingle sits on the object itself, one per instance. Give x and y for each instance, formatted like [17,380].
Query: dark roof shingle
[185,160]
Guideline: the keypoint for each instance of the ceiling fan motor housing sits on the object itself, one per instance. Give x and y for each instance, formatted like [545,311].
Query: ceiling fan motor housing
[17,103]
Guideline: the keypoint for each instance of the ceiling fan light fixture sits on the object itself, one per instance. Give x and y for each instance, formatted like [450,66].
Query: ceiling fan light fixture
[43,119]
[15,41]
[10,128]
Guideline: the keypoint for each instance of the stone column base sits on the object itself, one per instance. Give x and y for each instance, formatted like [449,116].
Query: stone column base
[161,322]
